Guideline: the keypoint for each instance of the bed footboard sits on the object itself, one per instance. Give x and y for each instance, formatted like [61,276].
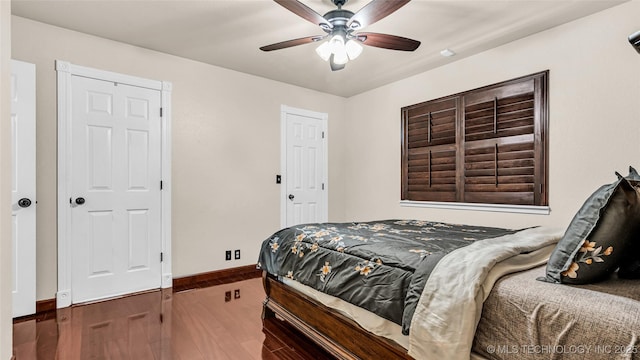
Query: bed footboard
[337,334]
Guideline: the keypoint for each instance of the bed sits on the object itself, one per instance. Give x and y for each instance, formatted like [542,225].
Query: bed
[445,274]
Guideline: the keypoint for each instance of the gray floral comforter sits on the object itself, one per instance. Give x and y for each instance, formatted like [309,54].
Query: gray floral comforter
[381,266]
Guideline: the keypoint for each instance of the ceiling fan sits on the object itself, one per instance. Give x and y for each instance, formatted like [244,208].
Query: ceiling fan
[341,26]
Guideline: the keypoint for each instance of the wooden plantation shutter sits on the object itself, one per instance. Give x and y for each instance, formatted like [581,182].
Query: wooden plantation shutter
[499,145]
[430,151]
[498,149]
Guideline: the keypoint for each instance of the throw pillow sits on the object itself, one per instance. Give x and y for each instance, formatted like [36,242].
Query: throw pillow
[598,236]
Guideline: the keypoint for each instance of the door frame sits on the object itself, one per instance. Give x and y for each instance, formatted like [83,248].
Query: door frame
[65,70]
[324,119]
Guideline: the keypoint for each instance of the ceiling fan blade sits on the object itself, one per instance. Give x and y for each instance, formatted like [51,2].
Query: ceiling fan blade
[387,41]
[334,66]
[304,12]
[374,11]
[290,43]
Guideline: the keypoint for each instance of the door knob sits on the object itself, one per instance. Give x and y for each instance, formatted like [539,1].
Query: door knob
[24,203]
[80,200]
[291,197]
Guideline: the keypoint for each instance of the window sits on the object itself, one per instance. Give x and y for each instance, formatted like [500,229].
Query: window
[487,145]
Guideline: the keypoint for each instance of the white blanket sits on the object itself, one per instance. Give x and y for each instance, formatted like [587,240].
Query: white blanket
[450,306]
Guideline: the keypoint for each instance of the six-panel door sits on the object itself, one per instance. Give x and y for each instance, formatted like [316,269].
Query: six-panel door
[305,158]
[116,173]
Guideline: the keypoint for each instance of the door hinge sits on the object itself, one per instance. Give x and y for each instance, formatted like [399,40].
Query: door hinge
[160,112]
[323,134]
[322,186]
[161,185]
[161,257]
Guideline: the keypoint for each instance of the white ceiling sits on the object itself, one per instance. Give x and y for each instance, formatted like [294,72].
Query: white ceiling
[228,33]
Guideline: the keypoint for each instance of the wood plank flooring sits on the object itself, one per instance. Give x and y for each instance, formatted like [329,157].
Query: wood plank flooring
[217,322]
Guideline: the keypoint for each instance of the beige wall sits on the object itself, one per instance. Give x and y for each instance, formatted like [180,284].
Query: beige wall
[6,284]
[226,147]
[594,118]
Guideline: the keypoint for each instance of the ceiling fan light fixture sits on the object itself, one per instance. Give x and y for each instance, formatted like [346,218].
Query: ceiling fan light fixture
[341,52]
[340,58]
[353,49]
[337,44]
[324,51]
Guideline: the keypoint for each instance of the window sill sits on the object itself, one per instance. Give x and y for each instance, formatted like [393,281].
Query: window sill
[518,209]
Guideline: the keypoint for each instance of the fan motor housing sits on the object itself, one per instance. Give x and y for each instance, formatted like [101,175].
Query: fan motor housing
[338,17]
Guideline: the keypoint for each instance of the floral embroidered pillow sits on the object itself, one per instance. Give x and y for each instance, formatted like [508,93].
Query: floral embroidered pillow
[598,236]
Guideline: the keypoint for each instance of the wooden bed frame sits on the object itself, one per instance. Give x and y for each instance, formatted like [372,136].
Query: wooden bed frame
[337,334]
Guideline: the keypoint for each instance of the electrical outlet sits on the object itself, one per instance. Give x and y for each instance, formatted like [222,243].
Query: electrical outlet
[227,255]
[227,296]
[236,294]
[237,254]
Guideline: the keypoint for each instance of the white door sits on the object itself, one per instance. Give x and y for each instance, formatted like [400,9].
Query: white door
[23,194]
[115,175]
[305,173]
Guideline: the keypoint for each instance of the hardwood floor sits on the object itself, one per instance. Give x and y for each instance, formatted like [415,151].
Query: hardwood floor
[217,322]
